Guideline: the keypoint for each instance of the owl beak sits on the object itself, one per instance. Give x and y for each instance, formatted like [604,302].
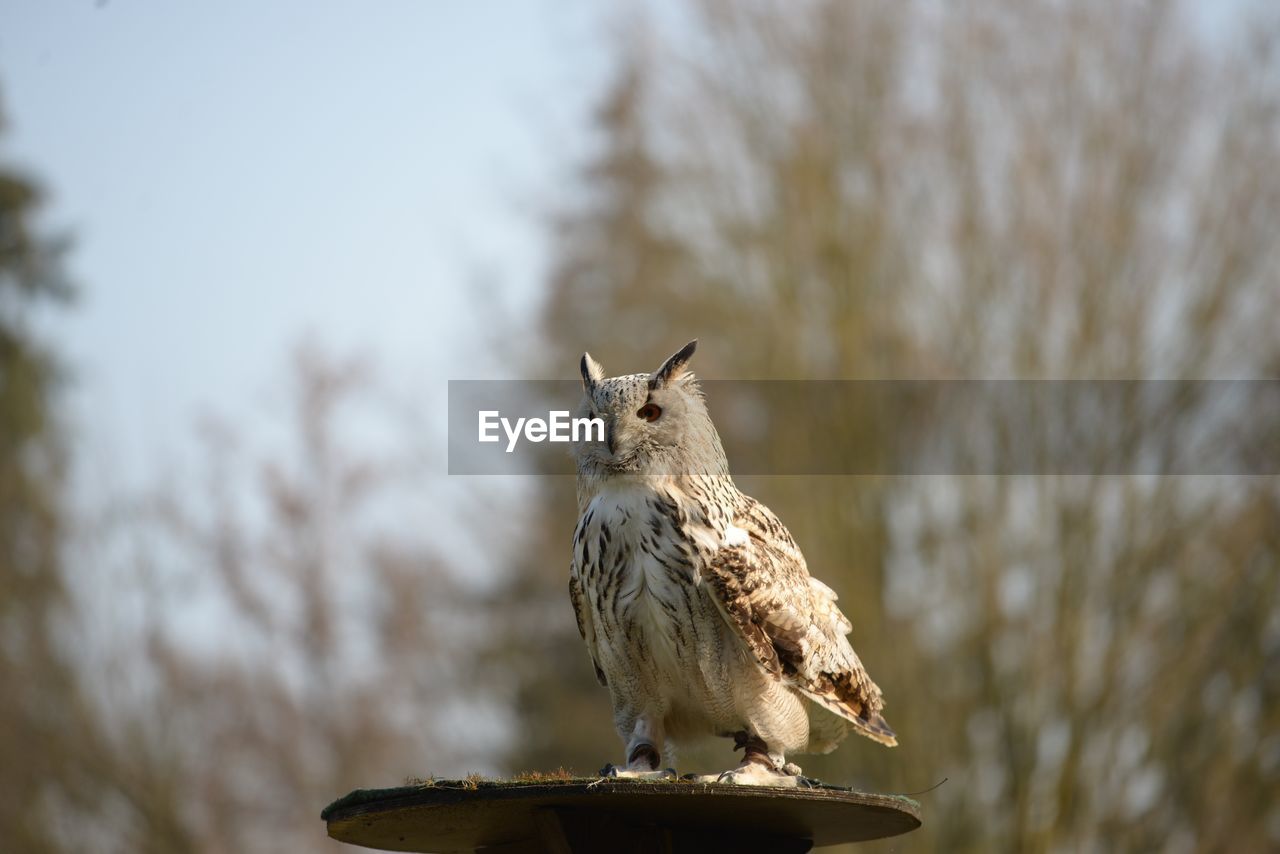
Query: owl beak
[609,436]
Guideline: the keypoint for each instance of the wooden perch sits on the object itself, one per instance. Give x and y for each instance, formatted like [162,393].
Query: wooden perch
[587,815]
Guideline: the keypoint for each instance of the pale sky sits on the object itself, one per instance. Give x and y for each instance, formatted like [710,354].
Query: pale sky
[237,175]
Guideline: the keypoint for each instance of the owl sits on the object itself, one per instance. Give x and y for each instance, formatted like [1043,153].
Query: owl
[694,601]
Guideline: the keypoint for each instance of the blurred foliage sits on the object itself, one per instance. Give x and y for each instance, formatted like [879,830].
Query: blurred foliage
[816,189]
[904,190]
[45,726]
[201,667]
[300,631]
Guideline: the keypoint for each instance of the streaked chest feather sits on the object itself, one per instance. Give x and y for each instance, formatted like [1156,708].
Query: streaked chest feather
[639,571]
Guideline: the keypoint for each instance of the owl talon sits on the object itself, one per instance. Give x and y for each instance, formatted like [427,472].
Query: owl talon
[614,771]
[755,774]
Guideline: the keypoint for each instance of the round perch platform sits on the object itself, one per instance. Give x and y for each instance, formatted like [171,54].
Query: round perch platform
[586,815]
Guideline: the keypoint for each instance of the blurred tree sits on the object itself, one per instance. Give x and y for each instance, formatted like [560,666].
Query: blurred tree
[47,734]
[1027,190]
[817,189]
[301,638]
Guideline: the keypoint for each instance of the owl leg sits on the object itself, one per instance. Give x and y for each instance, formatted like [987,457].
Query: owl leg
[644,753]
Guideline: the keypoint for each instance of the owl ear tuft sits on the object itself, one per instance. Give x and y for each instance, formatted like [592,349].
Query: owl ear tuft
[592,372]
[673,367]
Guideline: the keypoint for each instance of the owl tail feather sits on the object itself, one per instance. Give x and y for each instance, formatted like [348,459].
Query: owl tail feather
[876,729]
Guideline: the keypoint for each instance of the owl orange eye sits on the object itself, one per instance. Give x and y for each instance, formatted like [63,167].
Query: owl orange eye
[650,412]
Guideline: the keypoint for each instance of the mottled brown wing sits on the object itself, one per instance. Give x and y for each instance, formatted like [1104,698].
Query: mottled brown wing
[790,620]
[582,613]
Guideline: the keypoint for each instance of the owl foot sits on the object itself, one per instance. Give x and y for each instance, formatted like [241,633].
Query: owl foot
[759,767]
[754,774]
[615,771]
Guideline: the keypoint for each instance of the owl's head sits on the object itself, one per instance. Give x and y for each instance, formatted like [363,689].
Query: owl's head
[655,423]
